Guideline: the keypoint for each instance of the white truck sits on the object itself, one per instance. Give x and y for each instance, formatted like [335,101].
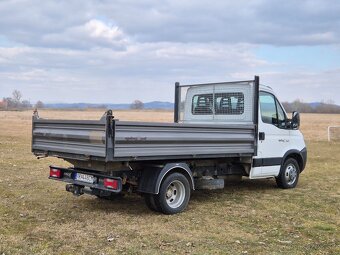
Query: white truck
[220,130]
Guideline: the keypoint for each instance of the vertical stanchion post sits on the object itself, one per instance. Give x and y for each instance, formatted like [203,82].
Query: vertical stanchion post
[256,110]
[177,102]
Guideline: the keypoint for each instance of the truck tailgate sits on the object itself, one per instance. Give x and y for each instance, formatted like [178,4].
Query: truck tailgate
[66,138]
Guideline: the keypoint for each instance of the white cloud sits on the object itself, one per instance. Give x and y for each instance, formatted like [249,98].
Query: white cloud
[146,68]
[257,22]
[93,33]
[97,51]
[98,29]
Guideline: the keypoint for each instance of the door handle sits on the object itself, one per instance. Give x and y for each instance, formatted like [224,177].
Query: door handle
[262,136]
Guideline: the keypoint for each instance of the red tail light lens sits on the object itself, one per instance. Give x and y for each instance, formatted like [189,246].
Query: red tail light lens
[110,183]
[56,173]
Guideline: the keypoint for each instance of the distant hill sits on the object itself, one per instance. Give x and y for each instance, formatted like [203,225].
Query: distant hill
[149,105]
[159,105]
[315,107]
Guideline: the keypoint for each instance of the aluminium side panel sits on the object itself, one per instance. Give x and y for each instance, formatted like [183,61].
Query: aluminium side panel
[138,140]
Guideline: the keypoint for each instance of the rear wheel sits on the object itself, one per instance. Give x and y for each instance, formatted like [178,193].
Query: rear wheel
[151,203]
[289,174]
[174,194]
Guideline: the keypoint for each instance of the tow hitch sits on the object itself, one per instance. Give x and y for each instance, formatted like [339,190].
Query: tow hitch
[79,190]
[75,189]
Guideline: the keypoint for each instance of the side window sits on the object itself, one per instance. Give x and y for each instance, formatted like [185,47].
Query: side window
[268,108]
[281,116]
[271,110]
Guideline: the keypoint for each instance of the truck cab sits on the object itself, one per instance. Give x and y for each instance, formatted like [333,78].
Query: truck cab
[278,137]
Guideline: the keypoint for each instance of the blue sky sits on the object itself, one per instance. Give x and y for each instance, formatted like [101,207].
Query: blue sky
[313,58]
[115,52]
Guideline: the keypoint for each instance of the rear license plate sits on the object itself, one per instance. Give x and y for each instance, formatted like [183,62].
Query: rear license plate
[84,178]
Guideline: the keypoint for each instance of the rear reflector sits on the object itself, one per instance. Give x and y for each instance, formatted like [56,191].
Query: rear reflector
[56,173]
[110,183]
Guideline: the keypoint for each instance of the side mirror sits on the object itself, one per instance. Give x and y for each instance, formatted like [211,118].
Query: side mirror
[295,120]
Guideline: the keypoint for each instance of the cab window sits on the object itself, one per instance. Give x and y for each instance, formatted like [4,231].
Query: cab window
[268,108]
[280,115]
[271,110]
[202,104]
[231,103]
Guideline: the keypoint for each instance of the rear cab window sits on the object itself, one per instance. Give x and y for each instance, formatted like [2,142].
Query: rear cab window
[218,104]
[221,102]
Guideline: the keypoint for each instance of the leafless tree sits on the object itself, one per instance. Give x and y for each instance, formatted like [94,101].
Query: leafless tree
[137,104]
[26,104]
[16,95]
[39,105]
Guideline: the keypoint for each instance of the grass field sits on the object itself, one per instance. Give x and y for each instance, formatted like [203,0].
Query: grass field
[255,217]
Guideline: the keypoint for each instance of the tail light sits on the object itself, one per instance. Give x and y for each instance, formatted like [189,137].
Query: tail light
[56,173]
[110,183]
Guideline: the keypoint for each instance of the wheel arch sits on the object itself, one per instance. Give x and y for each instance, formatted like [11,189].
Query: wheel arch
[151,179]
[297,155]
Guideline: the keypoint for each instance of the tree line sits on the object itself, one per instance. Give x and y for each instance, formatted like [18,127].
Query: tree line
[17,102]
[322,107]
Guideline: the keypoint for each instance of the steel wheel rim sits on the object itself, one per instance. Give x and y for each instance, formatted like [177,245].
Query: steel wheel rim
[290,174]
[175,194]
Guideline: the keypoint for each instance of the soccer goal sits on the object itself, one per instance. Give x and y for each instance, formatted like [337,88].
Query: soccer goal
[333,133]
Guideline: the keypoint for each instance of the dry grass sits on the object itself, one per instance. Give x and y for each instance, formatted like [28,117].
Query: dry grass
[314,126]
[38,217]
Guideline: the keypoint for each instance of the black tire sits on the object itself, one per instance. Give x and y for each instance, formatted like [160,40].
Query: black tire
[289,174]
[151,203]
[174,194]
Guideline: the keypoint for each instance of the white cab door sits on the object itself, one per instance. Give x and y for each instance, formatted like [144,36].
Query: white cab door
[274,137]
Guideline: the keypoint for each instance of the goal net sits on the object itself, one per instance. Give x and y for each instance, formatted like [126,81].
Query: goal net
[333,133]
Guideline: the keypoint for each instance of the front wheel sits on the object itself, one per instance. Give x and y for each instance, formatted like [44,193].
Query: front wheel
[174,194]
[289,174]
